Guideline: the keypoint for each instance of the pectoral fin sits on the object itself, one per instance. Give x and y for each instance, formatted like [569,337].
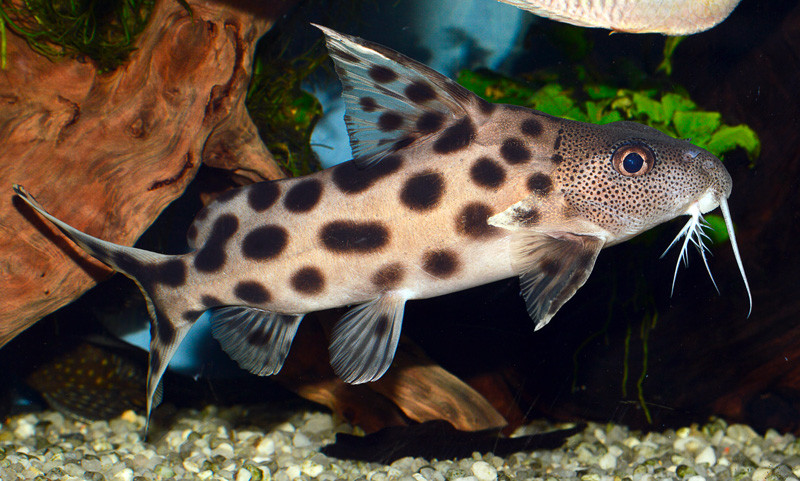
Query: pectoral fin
[551,268]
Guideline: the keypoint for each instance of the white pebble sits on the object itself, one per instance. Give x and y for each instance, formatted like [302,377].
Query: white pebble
[318,423]
[607,461]
[24,430]
[243,475]
[311,469]
[191,466]
[293,471]
[224,449]
[707,455]
[300,440]
[696,478]
[266,446]
[761,474]
[484,471]
[124,475]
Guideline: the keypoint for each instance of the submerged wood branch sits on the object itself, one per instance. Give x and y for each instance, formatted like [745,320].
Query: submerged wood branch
[108,152]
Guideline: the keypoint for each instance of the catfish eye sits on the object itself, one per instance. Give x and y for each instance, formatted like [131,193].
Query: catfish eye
[633,160]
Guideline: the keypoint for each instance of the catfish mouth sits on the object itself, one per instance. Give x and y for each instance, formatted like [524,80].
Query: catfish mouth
[708,202]
[694,232]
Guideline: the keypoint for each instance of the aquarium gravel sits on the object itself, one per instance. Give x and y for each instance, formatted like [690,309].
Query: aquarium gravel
[264,444]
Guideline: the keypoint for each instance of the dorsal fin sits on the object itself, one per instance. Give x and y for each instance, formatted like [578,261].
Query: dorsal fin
[393,101]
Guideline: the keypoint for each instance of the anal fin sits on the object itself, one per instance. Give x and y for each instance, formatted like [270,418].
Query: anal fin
[258,340]
[552,267]
[364,340]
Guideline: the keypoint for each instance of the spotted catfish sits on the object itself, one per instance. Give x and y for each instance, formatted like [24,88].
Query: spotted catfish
[446,191]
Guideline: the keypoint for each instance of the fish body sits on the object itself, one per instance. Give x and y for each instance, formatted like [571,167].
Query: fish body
[446,191]
[670,17]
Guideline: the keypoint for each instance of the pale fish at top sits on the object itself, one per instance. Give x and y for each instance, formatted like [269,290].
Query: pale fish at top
[446,191]
[670,17]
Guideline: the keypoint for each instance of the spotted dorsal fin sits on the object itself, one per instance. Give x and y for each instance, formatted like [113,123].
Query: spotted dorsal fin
[393,101]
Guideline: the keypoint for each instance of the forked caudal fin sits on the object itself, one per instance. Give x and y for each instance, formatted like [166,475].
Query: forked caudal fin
[693,233]
[153,273]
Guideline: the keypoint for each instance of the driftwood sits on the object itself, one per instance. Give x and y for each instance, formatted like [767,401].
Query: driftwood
[107,152]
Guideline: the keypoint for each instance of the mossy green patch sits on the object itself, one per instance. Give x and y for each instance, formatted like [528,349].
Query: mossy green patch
[102,30]
[284,113]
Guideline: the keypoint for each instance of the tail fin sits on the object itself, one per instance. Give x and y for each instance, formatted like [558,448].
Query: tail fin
[158,276]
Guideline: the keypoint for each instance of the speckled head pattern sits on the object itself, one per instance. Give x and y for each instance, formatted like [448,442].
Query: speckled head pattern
[445,192]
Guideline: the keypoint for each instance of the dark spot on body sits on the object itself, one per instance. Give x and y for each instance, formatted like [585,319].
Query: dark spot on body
[227,195]
[430,122]
[210,301]
[171,273]
[403,143]
[422,191]
[262,196]
[308,280]
[303,196]
[192,316]
[440,263]
[557,159]
[382,74]
[251,292]
[540,184]
[514,151]
[191,234]
[350,236]
[532,127]
[419,92]
[166,333]
[487,173]
[211,257]
[486,107]
[368,104]
[352,180]
[527,217]
[557,143]
[456,137]
[388,276]
[265,242]
[472,221]
[126,263]
[389,121]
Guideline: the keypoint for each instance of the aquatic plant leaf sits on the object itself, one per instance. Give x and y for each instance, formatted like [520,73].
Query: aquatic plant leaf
[598,92]
[669,49]
[672,102]
[553,99]
[715,229]
[644,105]
[696,124]
[728,138]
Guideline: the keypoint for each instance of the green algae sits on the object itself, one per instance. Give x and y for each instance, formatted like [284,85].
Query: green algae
[103,31]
